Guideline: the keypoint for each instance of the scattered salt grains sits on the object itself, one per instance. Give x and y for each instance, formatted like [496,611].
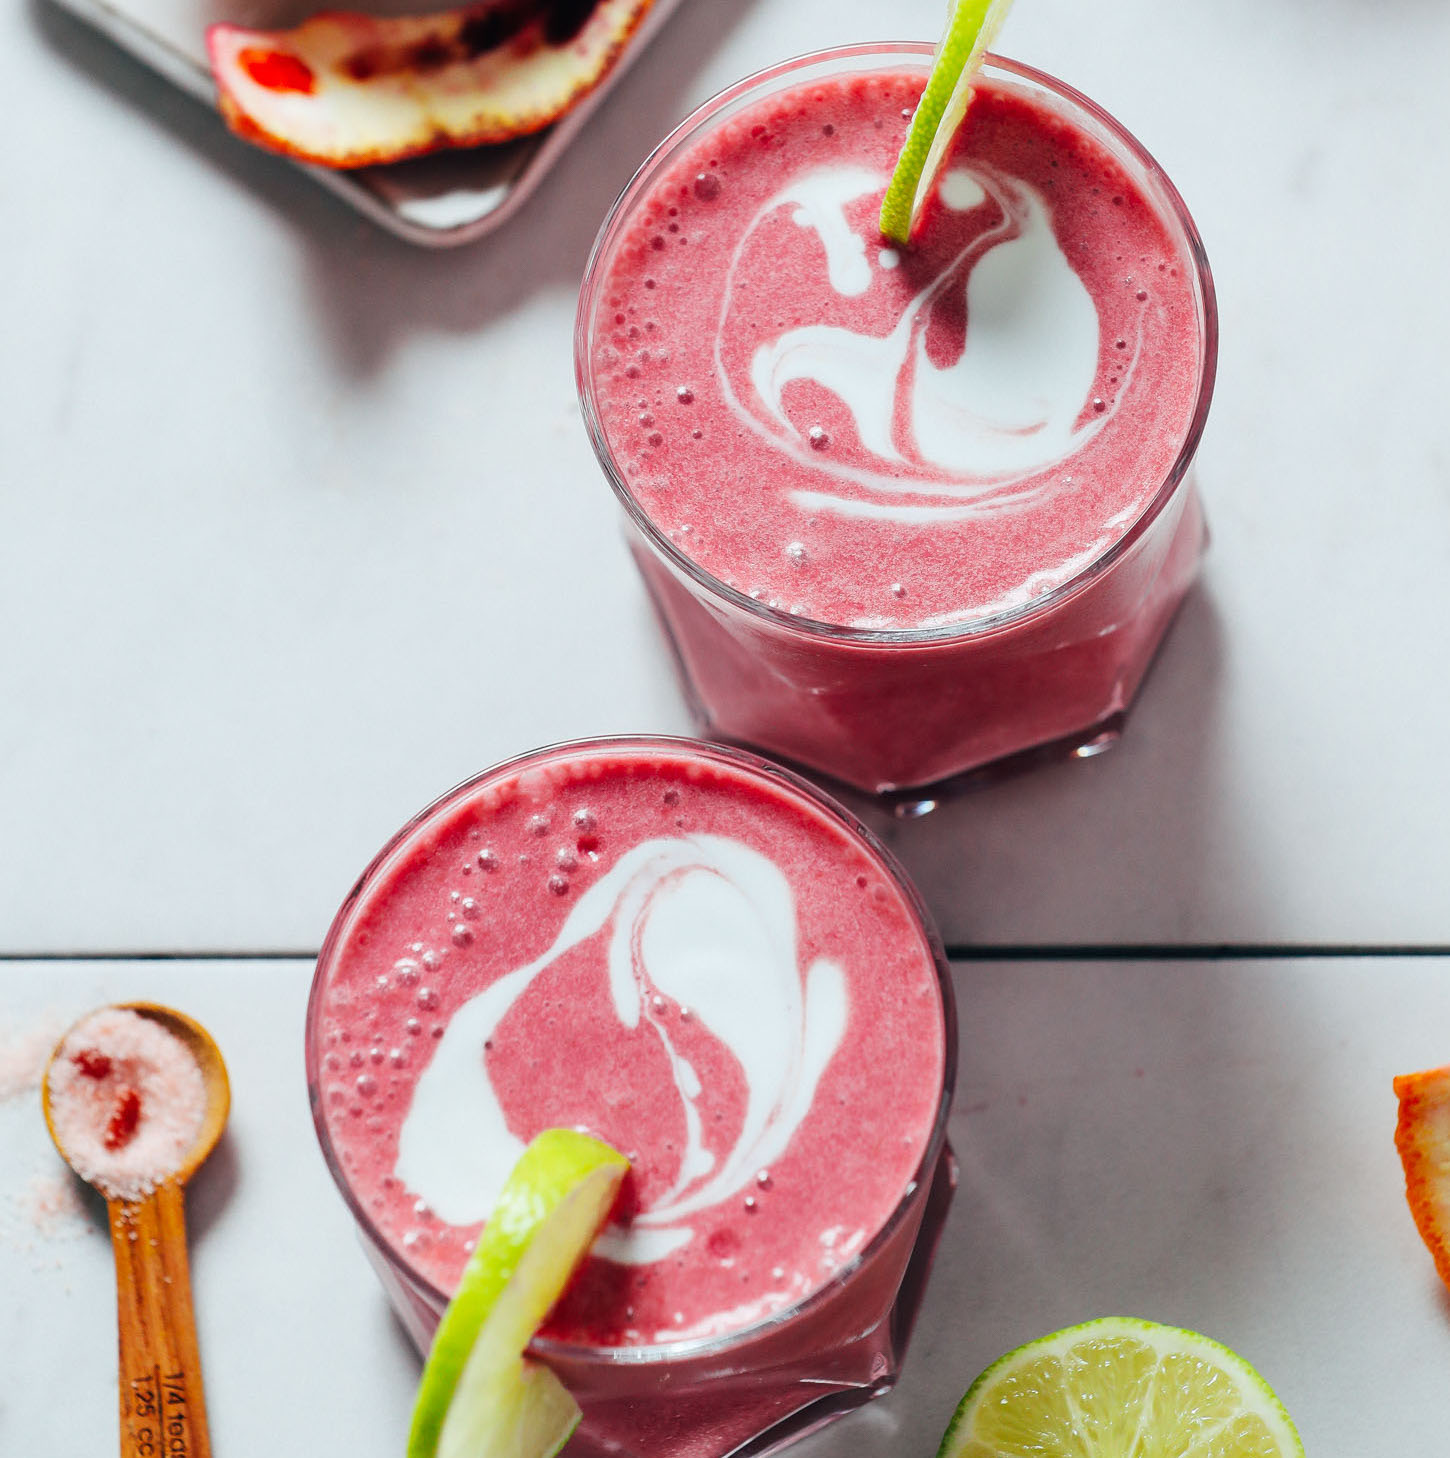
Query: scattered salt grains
[44,1211]
[41,1202]
[53,1205]
[23,1055]
[127,1100]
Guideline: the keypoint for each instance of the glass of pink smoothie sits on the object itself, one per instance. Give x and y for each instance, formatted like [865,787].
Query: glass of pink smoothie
[700,959]
[903,512]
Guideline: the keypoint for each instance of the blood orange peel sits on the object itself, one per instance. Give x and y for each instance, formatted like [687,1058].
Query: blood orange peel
[1423,1138]
[350,90]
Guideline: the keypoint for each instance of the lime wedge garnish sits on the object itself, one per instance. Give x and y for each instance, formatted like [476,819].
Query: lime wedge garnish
[971,28]
[479,1394]
[1120,1387]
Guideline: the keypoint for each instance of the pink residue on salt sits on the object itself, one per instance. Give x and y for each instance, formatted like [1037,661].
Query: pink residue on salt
[127,1101]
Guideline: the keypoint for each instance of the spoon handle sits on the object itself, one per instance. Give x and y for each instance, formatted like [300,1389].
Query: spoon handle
[163,1408]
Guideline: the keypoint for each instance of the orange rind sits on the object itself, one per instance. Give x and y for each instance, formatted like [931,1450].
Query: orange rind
[350,90]
[1423,1138]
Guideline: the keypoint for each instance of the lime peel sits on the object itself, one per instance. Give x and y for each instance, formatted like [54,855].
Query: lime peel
[1121,1385]
[478,1393]
[971,28]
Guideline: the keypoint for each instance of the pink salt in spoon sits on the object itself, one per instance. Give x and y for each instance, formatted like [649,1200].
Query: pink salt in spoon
[129,1113]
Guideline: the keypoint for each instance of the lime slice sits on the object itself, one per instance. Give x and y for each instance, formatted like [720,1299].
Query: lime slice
[479,1394]
[1121,1388]
[971,28]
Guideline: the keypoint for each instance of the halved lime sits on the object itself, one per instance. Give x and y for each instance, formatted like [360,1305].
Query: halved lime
[1121,1388]
[479,1396]
[971,28]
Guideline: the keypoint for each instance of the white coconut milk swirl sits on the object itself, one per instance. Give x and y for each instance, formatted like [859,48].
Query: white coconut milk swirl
[710,924]
[980,431]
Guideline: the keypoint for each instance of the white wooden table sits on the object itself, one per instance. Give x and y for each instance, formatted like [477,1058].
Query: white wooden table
[298,526]
[1208,1145]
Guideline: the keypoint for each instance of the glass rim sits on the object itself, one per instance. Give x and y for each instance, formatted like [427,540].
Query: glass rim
[917,1186]
[1174,210]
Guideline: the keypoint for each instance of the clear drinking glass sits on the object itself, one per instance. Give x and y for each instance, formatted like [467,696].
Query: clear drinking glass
[756,1389]
[884,710]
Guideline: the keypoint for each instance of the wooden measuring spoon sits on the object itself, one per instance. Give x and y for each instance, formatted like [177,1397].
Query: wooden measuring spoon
[163,1407]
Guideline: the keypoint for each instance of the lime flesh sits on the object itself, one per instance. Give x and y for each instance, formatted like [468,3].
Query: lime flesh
[971,28]
[479,1397]
[1121,1388]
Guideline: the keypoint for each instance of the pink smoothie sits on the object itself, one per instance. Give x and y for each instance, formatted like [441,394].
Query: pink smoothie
[885,447]
[882,437]
[675,952]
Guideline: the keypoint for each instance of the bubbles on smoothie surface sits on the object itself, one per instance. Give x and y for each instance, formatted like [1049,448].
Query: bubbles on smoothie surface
[950,568]
[383,1027]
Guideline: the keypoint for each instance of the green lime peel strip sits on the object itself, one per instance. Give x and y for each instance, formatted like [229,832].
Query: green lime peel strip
[971,29]
[478,1393]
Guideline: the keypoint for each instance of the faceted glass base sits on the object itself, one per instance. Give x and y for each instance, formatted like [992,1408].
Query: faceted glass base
[901,720]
